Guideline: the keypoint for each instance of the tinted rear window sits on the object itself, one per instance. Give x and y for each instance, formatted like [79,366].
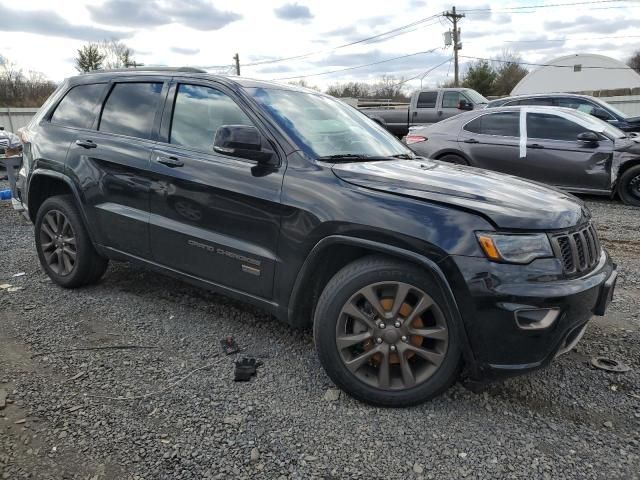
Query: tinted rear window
[427,99]
[78,107]
[505,124]
[130,109]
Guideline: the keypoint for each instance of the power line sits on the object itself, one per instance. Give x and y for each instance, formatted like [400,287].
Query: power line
[547,5]
[568,39]
[546,64]
[356,42]
[358,66]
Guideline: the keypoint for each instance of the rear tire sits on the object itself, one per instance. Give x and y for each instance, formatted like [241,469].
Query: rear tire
[413,357]
[629,186]
[455,159]
[64,248]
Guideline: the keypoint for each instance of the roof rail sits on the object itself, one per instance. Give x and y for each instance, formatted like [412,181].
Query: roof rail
[152,69]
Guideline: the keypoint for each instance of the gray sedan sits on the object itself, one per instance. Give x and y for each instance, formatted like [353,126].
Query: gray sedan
[557,146]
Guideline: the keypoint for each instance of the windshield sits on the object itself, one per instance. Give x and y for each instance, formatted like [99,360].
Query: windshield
[475,96]
[324,127]
[597,125]
[611,108]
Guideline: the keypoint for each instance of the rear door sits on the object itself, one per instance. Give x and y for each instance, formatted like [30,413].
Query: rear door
[424,111]
[213,216]
[492,141]
[112,163]
[72,117]
[554,155]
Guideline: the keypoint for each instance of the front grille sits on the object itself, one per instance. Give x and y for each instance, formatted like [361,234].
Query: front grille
[578,250]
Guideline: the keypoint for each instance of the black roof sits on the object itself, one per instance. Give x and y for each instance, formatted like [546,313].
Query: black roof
[188,72]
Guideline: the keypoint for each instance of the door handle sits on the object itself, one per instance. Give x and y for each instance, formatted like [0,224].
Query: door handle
[170,161]
[535,145]
[439,113]
[471,140]
[86,143]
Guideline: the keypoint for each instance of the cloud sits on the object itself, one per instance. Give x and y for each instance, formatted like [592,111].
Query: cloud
[417,3]
[588,24]
[293,11]
[49,23]
[477,12]
[402,67]
[275,69]
[342,32]
[198,14]
[185,51]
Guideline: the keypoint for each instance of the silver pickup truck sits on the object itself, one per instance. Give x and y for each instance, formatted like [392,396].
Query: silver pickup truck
[426,107]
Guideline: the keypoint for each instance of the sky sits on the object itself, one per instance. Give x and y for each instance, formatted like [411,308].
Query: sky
[43,36]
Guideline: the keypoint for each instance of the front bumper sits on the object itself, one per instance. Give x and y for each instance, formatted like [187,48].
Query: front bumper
[497,297]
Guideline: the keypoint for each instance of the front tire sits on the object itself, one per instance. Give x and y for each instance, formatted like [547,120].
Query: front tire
[383,334]
[64,248]
[629,186]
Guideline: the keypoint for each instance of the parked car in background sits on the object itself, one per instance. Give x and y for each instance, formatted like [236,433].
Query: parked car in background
[426,107]
[584,103]
[560,146]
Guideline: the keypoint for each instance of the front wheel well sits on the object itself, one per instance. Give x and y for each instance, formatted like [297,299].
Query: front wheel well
[627,165]
[42,187]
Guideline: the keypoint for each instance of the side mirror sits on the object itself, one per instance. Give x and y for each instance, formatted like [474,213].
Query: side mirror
[464,105]
[601,113]
[588,139]
[242,141]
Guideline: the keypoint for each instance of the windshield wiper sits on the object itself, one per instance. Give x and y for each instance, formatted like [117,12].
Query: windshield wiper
[404,156]
[340,156]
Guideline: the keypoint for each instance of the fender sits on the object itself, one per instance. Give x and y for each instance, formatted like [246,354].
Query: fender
[74,191]
[408,255]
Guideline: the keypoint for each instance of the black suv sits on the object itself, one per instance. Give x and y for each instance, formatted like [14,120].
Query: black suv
[411,271]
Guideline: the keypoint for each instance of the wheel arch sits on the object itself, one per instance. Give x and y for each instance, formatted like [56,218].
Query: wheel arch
[320,265]
[45,184]
[451,151]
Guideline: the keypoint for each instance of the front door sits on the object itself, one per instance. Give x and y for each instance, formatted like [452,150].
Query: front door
[213,216]
[556,157]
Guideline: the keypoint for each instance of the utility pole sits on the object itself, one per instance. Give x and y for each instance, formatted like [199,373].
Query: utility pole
[457,45]
[236,57]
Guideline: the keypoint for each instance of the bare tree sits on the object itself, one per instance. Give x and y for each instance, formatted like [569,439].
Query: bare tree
[509,71]
[18,89]
[389,87]
[349,89]
[116,54]
[304,84]
[634,61]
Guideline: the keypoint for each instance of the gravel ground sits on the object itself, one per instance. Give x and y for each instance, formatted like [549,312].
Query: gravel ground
[567,421]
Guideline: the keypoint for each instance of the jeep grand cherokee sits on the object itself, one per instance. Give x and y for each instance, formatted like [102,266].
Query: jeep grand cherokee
[412,272]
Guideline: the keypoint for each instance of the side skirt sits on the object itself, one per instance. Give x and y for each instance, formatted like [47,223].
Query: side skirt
[267,305]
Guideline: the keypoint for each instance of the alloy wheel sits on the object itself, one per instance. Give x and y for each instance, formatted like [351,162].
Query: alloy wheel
[58,243]
[392,335]
[633,186]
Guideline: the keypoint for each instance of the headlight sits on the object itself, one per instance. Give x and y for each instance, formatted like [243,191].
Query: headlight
[514,248]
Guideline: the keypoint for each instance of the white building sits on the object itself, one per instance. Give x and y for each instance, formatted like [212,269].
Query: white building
[578,73]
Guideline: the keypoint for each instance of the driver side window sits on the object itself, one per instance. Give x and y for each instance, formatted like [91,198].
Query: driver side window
[452,99]
[198,112]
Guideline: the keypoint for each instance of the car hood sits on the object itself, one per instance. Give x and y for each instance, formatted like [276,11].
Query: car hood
[509,202]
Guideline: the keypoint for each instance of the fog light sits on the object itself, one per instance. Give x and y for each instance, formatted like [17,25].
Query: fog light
[536,319]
